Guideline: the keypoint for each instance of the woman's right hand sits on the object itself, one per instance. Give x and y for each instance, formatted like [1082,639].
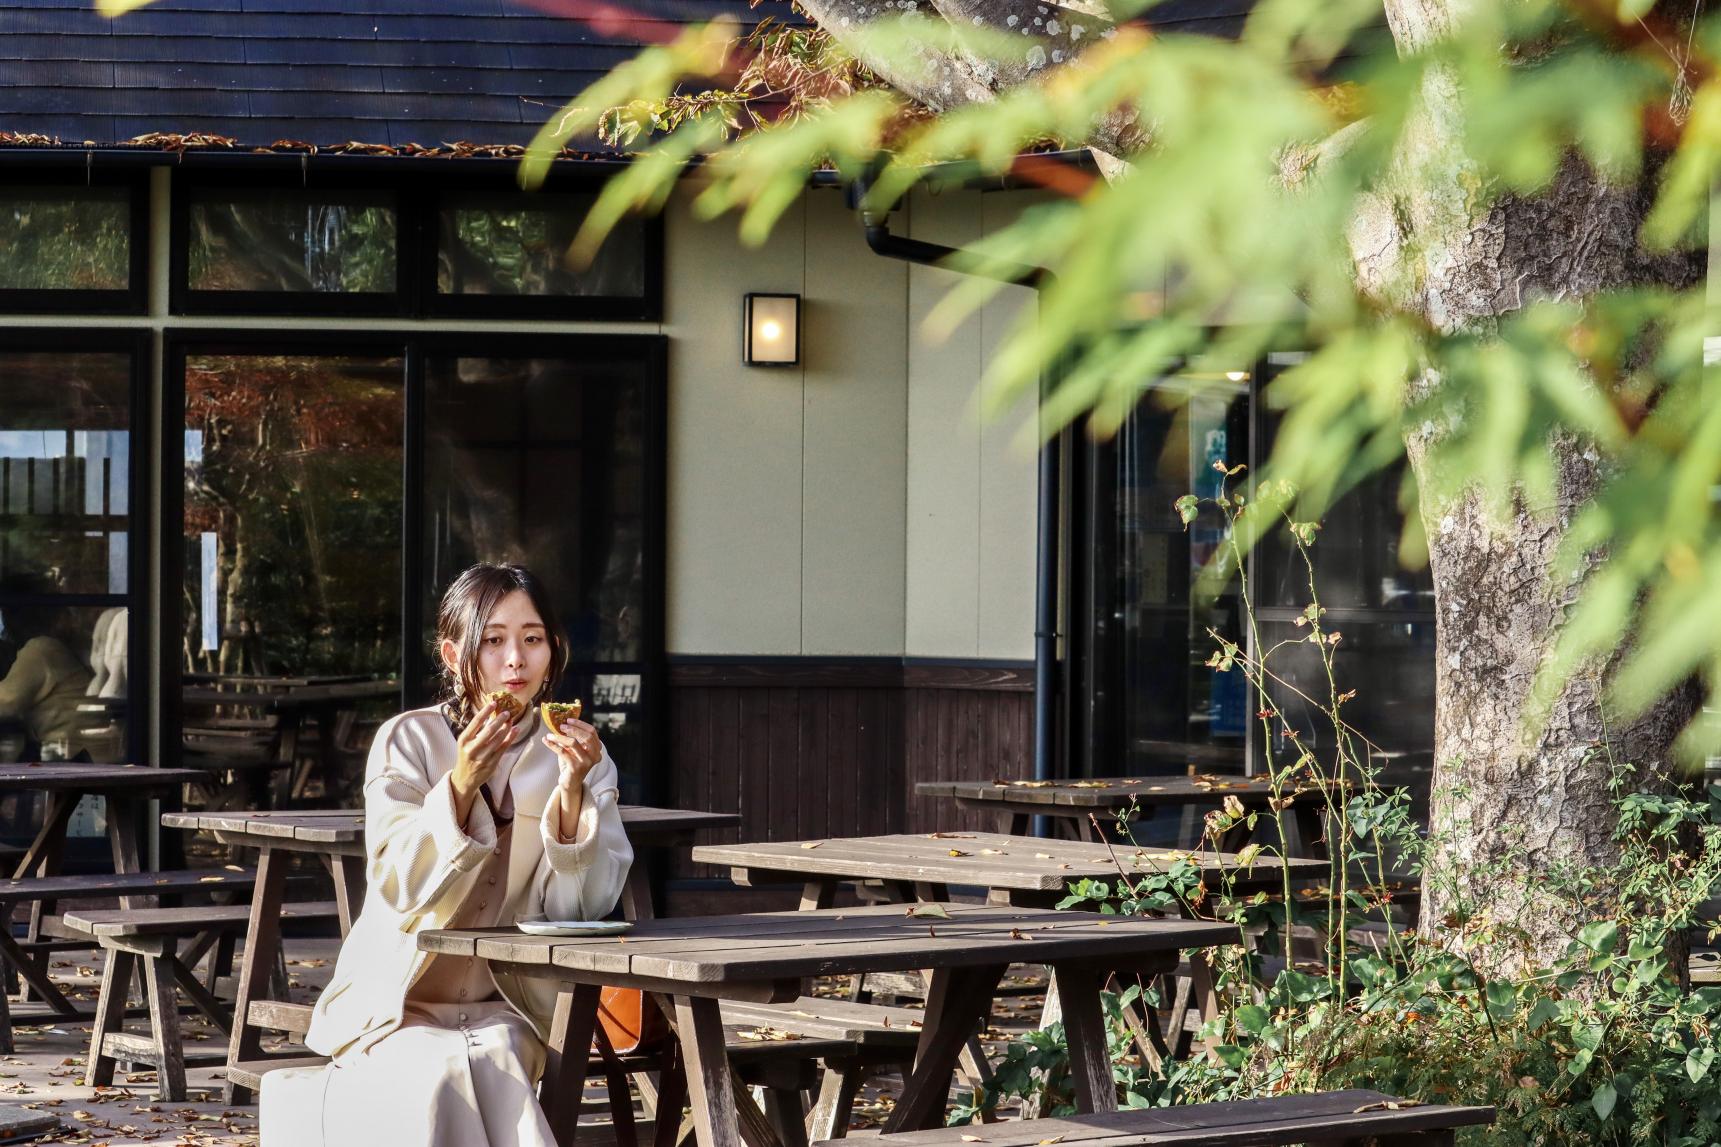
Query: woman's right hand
[480,750]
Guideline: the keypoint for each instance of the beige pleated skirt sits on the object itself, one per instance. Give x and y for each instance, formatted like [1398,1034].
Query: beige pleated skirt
[451,1076]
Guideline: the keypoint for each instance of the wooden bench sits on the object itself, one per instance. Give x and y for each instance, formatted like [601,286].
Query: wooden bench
[150,936]
[882,1038]
[778,1048]
[28,957]
[1329,1117]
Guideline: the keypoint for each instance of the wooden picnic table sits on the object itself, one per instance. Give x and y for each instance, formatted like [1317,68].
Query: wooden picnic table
[1072,803]
[292,701]
[337,838]
[762,957]
[1023,871]
[126,789]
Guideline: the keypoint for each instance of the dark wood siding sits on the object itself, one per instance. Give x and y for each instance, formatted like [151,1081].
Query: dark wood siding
[819,748]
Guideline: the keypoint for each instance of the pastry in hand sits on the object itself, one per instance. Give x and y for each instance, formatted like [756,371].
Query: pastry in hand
[507,704]
[556,712]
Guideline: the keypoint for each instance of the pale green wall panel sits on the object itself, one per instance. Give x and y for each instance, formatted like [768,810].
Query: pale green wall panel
[856,439]
[943,447]
[1009,478]
[735,444]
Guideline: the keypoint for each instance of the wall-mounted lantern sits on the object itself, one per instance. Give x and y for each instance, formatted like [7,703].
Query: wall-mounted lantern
[771,330]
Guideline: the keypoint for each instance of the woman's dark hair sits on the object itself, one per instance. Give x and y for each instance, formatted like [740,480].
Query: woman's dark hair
[468,603]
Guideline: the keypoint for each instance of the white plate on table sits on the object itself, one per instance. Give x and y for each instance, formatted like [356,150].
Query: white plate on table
[541,927]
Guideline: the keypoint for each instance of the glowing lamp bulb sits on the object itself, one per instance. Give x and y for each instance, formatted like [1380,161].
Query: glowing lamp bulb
[771,330]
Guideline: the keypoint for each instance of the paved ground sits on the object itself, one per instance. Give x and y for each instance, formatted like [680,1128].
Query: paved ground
[47,1072]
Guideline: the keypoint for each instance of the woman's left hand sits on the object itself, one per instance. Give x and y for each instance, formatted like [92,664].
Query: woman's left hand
[578,749]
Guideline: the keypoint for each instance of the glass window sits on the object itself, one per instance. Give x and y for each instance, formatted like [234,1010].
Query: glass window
[520,244]
[1159,706]
[543,461]
[65,238]
[1177,712]
[292,541]
[65,493]
[291,241]
[1384,609]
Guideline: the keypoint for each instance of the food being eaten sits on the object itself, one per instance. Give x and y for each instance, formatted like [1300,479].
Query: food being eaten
[555,712]
[507,704]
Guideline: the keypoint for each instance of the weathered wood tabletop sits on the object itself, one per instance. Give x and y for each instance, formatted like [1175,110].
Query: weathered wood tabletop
[1071,803]
[763,957]
[1027,871]
[72,776]
[337,838]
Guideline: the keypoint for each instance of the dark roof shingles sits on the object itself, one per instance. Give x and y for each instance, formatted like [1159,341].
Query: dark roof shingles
[321,71]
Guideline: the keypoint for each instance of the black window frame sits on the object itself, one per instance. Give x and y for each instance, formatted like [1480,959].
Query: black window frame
[137,345]
[415,348]
[184,300]
[418,237]
[647,307]
[133,299]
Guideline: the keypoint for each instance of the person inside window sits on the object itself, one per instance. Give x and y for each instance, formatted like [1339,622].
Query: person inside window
[46,681]
[472,819]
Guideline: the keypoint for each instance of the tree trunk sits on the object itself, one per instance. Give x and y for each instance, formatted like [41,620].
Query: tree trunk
[1514,803]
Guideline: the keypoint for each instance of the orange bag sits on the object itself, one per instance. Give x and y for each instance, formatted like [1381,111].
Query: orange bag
[629,1023]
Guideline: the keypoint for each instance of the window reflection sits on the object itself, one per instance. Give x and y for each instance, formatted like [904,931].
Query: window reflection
[542,461]
[292,514]
[64,529]
[490,244]
[65,238]
[1178,712]
[294,241]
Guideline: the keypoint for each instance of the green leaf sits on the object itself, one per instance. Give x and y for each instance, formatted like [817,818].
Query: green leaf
[1253,1018]
[1599,937]
[1188,507]
[1603,1100]
[1698,1062]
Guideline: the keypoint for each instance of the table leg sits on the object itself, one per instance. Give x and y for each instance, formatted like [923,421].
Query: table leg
[956,1002]
[1085,1034]
[348,873]
[43,859]
[1015,823]
[123,815]
[636,893]
[1311,826]
[816,894]
[710,1087]
[262,944]
[565,1071]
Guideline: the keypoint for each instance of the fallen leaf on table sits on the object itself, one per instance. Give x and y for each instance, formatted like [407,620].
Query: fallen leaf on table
[959,852]
[1049,1142]
[210,879]
[924,911]
[1042,856]
[972,1139]
[993,852]
[812,844]
[949,836]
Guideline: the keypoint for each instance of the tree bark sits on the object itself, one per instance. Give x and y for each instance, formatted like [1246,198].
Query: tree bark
[1515,802]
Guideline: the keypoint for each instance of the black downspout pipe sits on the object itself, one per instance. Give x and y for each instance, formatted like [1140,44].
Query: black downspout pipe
[876,226]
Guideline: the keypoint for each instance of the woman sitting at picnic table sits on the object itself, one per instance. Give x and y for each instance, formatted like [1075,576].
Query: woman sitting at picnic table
[471,820]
